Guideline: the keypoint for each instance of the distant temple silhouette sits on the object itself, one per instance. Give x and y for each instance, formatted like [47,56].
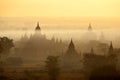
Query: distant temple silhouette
[71,49]
[111,49]
[89,35]
[71,59]
[37,34]
[89,27]
[38,47]
[38,27]
[94,61]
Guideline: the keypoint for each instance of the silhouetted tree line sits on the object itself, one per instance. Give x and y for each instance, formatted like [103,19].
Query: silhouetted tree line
[52,67]
[5,44]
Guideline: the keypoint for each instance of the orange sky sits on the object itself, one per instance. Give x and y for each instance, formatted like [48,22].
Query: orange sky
[60,8]
[101,13]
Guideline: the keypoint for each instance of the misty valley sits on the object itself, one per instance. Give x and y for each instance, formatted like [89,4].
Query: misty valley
[35,56]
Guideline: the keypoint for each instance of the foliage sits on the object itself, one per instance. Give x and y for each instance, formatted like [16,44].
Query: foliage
[5,44]
[52,67]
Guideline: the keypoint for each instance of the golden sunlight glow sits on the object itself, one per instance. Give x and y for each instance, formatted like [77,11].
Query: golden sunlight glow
[60,8]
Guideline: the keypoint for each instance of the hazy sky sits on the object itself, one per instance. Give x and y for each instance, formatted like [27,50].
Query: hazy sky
[77,13]
[60,8]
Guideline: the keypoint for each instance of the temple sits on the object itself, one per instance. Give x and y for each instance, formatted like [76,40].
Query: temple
[89,27]
[37,27]
[89,34]
[71,59]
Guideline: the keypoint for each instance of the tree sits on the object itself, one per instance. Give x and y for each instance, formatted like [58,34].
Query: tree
[5,44]
[52,67]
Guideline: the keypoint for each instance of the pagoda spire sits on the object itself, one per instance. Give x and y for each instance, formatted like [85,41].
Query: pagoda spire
[37,27]
[71,48]
[89,27]
[111,48]
[71,45]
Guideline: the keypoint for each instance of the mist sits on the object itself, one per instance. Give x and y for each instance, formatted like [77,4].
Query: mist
[51,49]
[59,39]
[110,34]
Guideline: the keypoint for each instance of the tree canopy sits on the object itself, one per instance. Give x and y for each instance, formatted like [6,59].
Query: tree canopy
[5,44]
[52,67]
